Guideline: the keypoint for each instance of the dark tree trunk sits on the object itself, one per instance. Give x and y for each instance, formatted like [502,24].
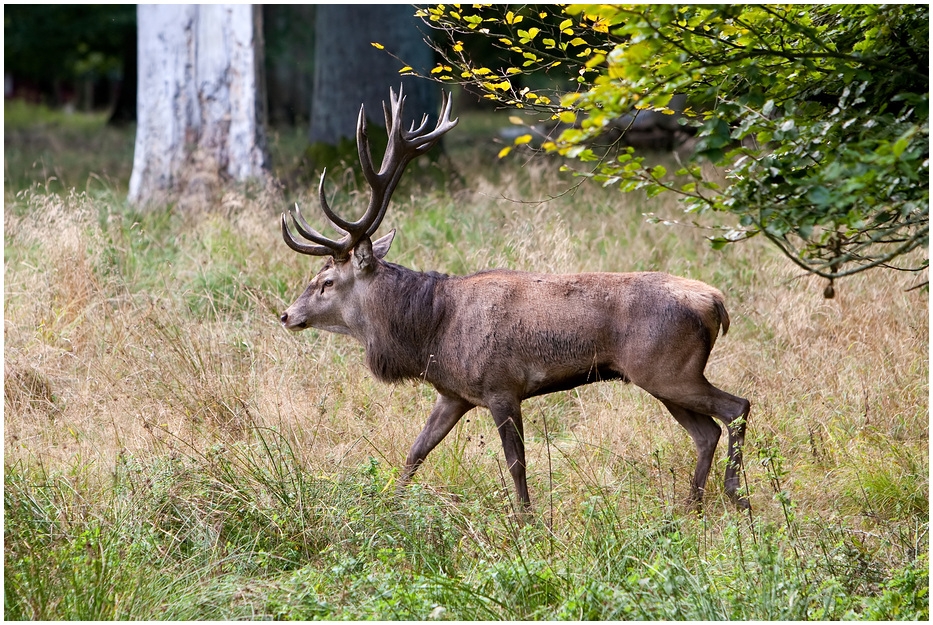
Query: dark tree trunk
[124,111]
[289,51]
[349,71]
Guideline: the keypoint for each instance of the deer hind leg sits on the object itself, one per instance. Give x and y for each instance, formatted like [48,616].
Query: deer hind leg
[507,415]
[705,434]
[447,411]
[736,424]
[702,397]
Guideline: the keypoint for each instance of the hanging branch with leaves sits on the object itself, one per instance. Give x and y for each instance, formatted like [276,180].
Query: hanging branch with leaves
[818,114]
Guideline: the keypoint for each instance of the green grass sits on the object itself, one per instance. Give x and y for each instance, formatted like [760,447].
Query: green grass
[171,453]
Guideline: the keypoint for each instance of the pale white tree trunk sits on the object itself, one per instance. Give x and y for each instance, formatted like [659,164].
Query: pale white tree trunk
[201,116]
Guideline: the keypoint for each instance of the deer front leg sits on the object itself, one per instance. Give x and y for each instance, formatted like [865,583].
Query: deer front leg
[507,414]
[447,411]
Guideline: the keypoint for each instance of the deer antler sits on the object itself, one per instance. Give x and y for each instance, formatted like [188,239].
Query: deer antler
[403,147]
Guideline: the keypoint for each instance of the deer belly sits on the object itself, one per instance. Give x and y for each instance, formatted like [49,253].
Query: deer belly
[566,380]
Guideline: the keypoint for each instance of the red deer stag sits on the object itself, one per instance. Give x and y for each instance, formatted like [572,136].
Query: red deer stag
[496,337]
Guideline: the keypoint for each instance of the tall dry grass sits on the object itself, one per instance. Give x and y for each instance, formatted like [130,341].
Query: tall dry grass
[156,336]
[163,332]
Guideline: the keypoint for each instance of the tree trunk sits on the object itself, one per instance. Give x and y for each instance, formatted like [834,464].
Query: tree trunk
[349,71]
[124,111]
[201,112]
[288,30]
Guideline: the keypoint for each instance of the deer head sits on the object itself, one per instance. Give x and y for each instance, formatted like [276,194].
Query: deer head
[334,297]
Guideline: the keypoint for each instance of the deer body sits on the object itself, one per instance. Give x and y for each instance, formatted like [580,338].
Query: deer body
[497,337]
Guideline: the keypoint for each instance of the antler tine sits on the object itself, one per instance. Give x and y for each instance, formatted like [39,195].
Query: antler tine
[305,230]
[444,124]
[393,112]
[298,246]
[335,219]
[323,245]
[362,146]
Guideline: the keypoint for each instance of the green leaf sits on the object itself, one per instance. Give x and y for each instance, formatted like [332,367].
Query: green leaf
[899,146]
[654,190]
[820,196]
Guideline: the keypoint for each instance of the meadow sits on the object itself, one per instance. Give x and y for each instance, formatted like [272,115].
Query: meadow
[170,452]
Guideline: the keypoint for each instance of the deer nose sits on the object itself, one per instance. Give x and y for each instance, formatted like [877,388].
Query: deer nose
[284,317]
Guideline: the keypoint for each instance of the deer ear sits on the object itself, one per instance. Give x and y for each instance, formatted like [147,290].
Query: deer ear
[363,259]
[366,252]
[381,245]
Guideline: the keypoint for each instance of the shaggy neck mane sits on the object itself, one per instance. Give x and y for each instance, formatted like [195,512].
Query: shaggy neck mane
[405,313]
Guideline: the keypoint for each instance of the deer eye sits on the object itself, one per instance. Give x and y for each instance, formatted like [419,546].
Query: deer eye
[328,283]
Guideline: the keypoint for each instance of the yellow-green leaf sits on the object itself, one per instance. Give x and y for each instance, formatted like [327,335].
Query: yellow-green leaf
[504,151]
[498,86]
[515,119]
[565,24]
[528,35]
[522,140]
[376,45]
[404,69]
[569,98]
[595,60]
